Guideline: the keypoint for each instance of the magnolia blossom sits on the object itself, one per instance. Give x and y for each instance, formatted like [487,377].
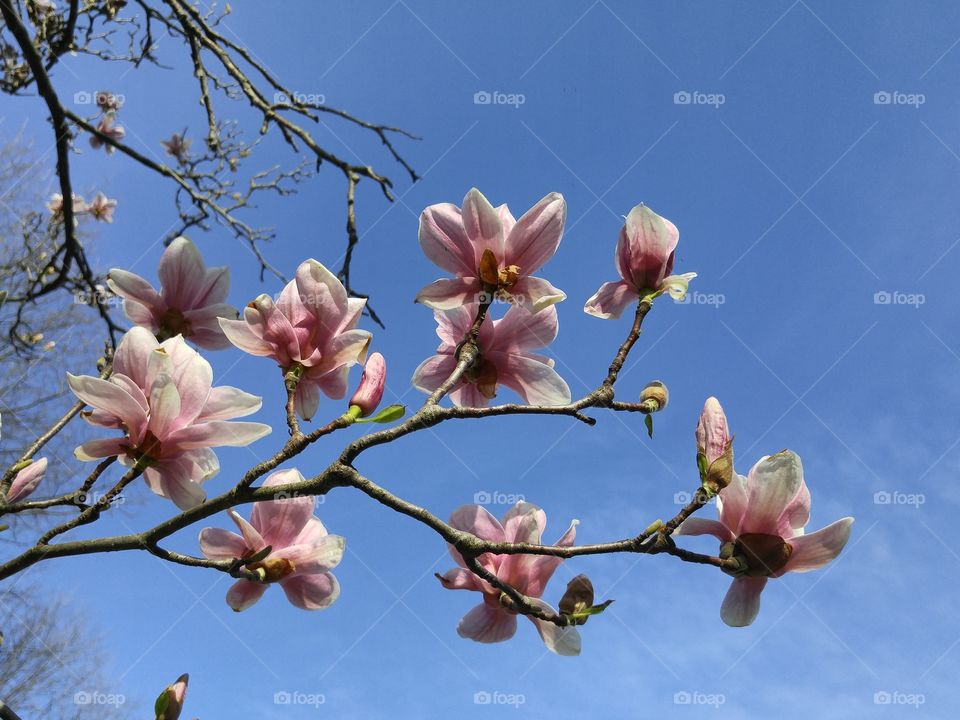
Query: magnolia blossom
[713,435]
[762,517]
[301,556]
[311,329]
[505,358]
[644,258]
[177,146]
[372,383]
[190,301]
[102,208]
[26,481]
[491,621]
[489,251]
[170,703]
[161,396]
[106,127]
[55,205]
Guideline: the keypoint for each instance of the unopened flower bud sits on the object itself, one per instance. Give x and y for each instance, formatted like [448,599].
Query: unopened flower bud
[372,382]
[170,703]
[714,448]
[654,396]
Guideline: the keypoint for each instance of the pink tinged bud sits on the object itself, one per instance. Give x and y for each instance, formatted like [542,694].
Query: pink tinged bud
[170,703]
[26,481]
[646,248]
[372,382]
[713,436]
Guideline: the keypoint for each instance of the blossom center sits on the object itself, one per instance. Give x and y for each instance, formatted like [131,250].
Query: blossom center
[495,276]
[172,323]
[272,569]
[765,554]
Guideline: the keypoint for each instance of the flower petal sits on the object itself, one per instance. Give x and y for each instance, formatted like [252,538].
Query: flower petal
[218,432]
[535,294]
[444,240]
[532,379]
[96,449]
[446,294]
[702,526]
[281,520]
[742,601]
[130,286]
[536,236]
[220,544]
[225,403]
[611,300]
[460,579]
[244,593]
[772,483]
[819,548]
[487,624]
[481,222]
[431,373]
[519,331]
[181,273]
[239,333]
[559,640]
[314,558]
[311,592]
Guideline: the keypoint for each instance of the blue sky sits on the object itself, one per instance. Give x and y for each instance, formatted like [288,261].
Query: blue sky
[801,197]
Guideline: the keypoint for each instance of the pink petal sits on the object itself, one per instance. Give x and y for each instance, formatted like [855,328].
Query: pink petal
[742,601]
[460,579]
[171,479]
[447,294]
[242,336]
[225,403]
[307,399]
[732,502]
[181,273]
[311,592]
[267,322]
[140,315]
[325,298]
[535,294]
[611,300]
[312,534]
[797,513]
[164,406]
[280,521]
[507,219]
[487,624]
[431,373]
[559,640]
[476,520]
[96,449]
[133,354]
[540,568]
[26,480]
[216,433]
[109,397]
[251,537]
[536,236]
[220,544]
[214,288]
[702,526]
[467,395]
[314,558]
[819,548]
[533,380]
[519,331]
[133,287]
[772,483]
[712,434]
[516,525]
[482,224]
[444,240]
[645,248]
[244,593]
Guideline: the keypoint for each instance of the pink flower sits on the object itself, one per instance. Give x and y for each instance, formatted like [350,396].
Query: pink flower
[713,436]
[372,383]
[644,260]
[505,358]
[102,208]
[114,132]
[161,396]
[489,251]
[312,326]
[26,481]
[763,515]
[301,556]
[177,147]
[190,301]
[490,621]
[55,206]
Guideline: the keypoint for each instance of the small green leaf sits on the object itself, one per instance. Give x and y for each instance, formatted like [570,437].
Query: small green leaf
[648,421]
[389,414]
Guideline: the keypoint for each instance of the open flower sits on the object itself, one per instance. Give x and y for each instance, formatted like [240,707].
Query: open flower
[112,131]
[311,329]
[505,358]
[102,208]
[489,252]
[161,396]
[26,481]
[55,205]
[644,258]
[491,621]
[190,301]
[301,555]
[177,147]
[762,520]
